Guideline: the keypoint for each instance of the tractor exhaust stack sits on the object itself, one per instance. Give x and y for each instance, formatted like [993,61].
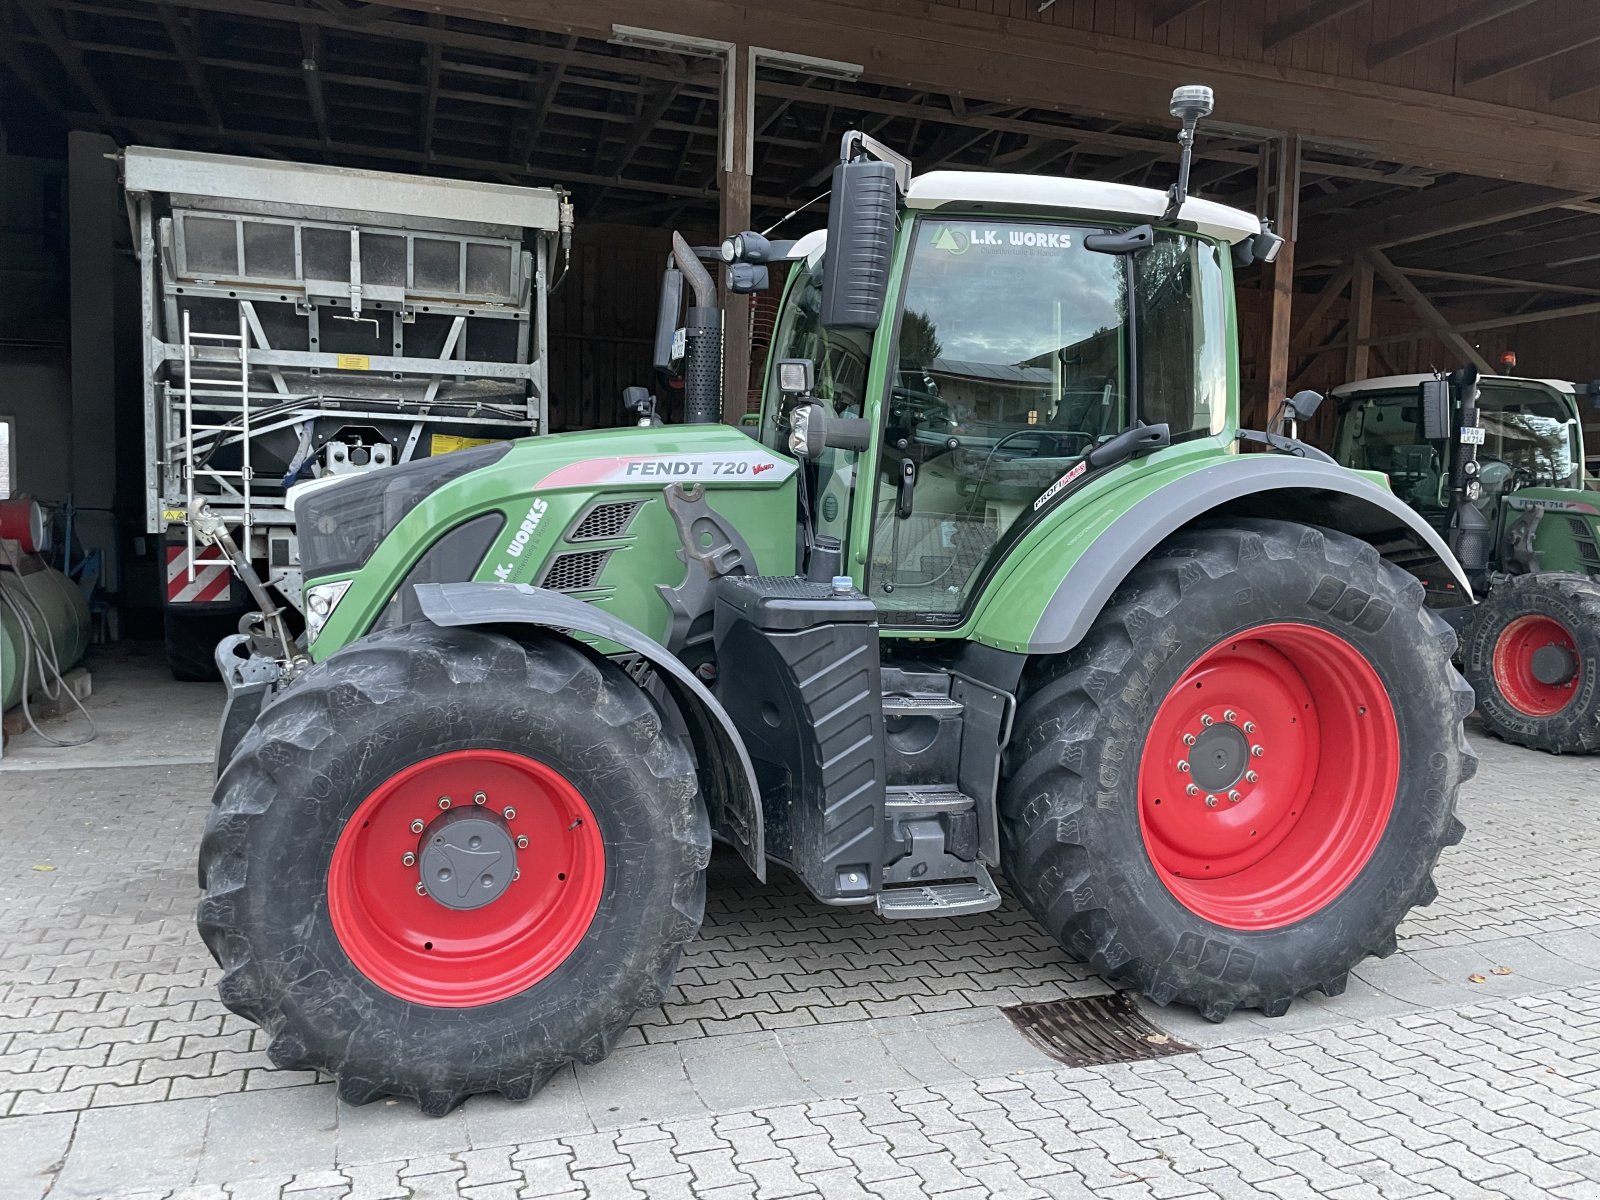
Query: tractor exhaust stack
[702,341]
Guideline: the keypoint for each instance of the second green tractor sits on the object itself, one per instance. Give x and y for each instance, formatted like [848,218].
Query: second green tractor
[989,586]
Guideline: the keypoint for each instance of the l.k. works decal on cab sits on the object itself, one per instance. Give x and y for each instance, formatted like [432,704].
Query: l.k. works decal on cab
[646,469]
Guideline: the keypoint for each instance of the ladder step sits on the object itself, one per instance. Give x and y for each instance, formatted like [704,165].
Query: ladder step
[926,799]
[921,706]
[953,899]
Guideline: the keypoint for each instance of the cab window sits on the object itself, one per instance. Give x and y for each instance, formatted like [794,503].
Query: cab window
[1018,350]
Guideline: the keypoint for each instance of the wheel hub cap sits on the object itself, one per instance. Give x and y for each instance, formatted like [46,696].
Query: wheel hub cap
[468,859]
[1554,665]
[1219,758]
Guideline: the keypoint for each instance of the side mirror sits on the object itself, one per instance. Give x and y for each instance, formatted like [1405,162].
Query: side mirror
[1304,404]
[861,218]
[1593,389]
[667,350]
[1433,396]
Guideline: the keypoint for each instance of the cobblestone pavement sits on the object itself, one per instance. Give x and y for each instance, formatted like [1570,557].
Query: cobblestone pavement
[808,1050]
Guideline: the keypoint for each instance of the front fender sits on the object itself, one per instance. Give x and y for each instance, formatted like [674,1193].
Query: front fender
[726,776]
[1256,485]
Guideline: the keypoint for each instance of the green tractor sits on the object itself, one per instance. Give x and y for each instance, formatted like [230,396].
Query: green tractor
[1191,702]
[1496,465]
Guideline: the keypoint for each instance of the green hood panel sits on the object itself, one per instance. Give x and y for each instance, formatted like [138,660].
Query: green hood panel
[543,489]
[1568,534]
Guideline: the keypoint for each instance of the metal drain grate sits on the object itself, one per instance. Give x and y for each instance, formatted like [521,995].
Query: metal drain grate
[1093,1031]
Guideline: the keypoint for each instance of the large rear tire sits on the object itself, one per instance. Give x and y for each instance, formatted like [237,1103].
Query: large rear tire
[1238,784]
[448,862]
[1531,651]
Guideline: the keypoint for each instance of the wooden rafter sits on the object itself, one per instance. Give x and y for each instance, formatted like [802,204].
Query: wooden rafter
[71,61]
[1456,19]
[1579,74]
[1308,17]
[1435,320]
[432,58]
[1501,281]
[1548,41]
[193,70]
[1169,11]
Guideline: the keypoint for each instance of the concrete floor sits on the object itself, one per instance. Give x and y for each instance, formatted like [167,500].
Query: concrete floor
[804,1050]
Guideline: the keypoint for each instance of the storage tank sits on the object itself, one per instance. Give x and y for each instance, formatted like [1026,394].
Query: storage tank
[58,612]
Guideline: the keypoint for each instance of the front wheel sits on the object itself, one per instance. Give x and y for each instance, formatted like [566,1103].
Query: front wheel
[1531,651]
[1238,784]
[448,862]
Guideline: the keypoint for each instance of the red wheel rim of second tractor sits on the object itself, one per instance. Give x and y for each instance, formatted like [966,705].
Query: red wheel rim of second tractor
[1512,664]
[1320,761]
[418,949]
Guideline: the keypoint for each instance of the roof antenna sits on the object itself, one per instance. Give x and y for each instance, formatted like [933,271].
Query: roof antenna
[1190,104]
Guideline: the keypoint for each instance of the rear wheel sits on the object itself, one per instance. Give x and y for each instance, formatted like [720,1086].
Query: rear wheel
[1532,654]
[1237,785]
[447,862]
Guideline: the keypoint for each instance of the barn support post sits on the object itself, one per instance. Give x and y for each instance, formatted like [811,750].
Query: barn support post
[1286,188]
[1358,355]
[738,114]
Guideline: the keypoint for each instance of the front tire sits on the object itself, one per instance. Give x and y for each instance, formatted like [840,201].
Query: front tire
[448,862]
[1242,845]
[1531,651]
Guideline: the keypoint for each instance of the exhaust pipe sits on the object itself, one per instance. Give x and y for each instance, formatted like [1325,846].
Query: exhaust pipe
[702,341]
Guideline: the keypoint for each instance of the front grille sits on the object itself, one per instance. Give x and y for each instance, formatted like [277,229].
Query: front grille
[574,572]
[608,519]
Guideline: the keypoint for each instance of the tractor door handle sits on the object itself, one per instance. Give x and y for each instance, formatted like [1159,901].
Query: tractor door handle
[908,483]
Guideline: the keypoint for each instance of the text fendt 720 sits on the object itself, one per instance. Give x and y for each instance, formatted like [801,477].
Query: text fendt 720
[1496,465]
[989,586]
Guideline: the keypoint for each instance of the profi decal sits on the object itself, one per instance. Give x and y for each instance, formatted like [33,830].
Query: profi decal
[646,469]
[1055,488]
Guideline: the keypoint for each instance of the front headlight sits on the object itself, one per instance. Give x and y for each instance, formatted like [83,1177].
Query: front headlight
[321,600]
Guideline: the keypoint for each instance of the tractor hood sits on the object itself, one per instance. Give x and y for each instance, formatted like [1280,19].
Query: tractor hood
[623,518]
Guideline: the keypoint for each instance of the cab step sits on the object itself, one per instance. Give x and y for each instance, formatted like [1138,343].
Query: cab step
[953,898]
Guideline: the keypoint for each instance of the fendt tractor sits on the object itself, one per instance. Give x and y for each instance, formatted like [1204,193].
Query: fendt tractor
[1496,465]
[990,585]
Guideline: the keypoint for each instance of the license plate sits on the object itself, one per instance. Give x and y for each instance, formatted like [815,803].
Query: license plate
[1472,435]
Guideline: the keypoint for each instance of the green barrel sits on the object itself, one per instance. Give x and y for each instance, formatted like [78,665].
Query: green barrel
[58,612]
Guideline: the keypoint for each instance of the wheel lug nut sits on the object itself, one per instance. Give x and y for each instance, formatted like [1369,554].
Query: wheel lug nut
[416,827]
[1251,777]
[1257,751]
[1191,789]
[1229,715]
[422,889]
[408,860]
[1188,739]
[444,801]
[516,875]
[1183,765]
[1207,721]
[1211,801]
[479,798]
[510,814]
[1249,726]
[522,842]
[1234,795]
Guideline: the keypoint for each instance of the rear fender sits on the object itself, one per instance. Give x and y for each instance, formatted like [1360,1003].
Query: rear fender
[727,778]
[1289,489]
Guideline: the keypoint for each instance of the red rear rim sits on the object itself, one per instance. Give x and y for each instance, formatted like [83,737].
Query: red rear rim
[546,879]
[1269,776]
[1514,666]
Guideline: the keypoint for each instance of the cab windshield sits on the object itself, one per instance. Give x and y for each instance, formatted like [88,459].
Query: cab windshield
[1018,350]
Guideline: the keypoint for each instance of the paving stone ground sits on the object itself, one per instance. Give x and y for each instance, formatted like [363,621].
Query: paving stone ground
[815,1051]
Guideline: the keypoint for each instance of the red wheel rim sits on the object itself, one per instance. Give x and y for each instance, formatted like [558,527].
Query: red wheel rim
[1513,665]
[415,947]
[1315,785]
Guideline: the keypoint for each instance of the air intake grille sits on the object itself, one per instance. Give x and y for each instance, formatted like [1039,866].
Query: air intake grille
[608,520]
[574,572]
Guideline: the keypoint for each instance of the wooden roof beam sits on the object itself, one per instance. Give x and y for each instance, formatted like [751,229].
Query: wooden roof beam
[1307,18]
[71,61]
[183,42]
[1429,214]
[1166,13]
[432,58]
[1521,285]
[1456,19]
[1436,321]
[1576,77]
[1550,40]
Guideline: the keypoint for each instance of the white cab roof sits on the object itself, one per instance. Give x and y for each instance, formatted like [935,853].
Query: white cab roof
[1390,383]
[1001,191]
